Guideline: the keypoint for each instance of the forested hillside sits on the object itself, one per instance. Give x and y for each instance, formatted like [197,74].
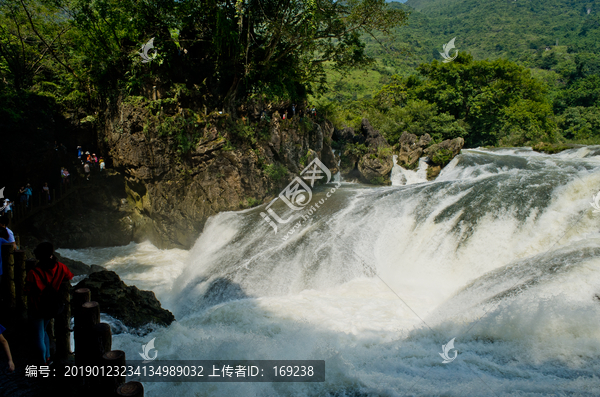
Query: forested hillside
[66,66]
[509,35]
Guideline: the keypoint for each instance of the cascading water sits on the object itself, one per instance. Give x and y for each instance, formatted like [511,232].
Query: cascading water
[401,176]
[500,252]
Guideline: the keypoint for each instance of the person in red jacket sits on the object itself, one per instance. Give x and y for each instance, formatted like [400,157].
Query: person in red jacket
[48,273]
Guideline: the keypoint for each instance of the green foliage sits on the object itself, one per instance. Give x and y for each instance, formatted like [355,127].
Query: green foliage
[418,117]
[252,202]
[185,128]
[276,171]
[525,122]
[356,149]
[379,180]
[442,157]
[87,53]
[228,146]
[549,148]
[582,92]
[481,101]
[581,124]
[304,159]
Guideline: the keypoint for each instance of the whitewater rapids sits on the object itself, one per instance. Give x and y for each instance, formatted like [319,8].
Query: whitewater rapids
[500,252]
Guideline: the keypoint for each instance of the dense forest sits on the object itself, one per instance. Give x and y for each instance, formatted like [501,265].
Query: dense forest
[531,74]
[526,72]
[83,54]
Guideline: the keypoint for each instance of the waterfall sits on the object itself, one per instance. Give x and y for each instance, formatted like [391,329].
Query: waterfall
[401,176]
[500,252]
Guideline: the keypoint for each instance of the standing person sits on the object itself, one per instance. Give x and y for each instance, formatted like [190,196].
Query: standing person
[95,161]
[28,193]
[64,174]
[86,169]
[45,302]
[294,110]
[6,348]
[79,152]
[102,164]
[46,190]
[11,236]
[22,196]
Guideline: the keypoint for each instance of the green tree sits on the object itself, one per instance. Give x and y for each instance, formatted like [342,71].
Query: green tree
[581,123]
[527,122]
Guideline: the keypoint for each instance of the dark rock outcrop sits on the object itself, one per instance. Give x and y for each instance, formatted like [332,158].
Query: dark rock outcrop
[441,154]
[368,157]
[411,149]
[130,305]
[79,268]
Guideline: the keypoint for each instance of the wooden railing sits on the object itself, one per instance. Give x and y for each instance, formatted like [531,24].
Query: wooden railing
[93,339]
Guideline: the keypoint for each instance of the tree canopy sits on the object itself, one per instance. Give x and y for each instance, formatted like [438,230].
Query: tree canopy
[222,52]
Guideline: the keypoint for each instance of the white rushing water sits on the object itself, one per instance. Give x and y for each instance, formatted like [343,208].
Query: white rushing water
[501,252]
[401,176]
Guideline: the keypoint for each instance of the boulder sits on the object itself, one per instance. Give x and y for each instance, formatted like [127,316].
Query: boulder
[130,305]
[441,154]
[78,268]
[411,149]
[347,134]
[368,158]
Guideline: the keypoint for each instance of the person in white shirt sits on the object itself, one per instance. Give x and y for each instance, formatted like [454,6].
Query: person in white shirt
[11,236]
[86,169]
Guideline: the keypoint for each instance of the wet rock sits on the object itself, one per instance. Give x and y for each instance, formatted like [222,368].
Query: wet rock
[130,305]
[368,158]
[411,149]
[78,268]
[441,154]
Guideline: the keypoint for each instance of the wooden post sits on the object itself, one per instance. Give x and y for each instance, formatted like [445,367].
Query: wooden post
[8,278]
[103,336]
[88,315]
[131,389]
[62,324]
[99,342]
[80,296]
[20,275]
[113,358]
[154,93]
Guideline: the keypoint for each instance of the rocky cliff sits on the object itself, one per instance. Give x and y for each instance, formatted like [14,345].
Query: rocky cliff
[178,167]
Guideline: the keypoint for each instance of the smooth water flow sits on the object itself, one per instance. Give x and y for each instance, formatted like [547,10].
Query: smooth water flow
[501,252]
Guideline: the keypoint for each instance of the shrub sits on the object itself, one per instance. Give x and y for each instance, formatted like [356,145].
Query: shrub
[276,171]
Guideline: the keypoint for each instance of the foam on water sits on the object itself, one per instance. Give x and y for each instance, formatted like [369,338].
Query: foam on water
[500,252]
[401,176]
